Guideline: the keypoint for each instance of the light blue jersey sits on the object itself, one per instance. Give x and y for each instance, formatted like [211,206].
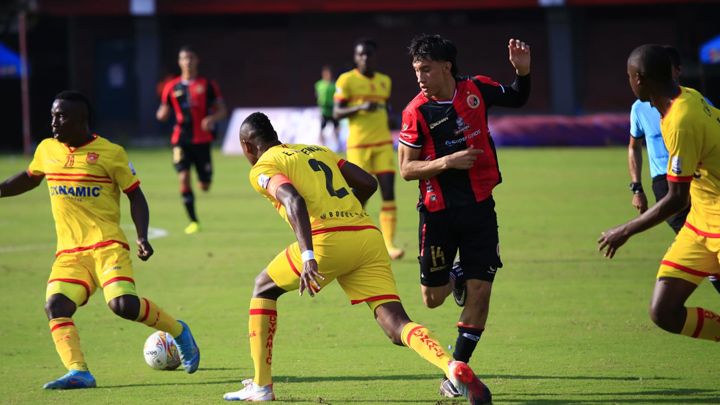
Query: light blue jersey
[645,122]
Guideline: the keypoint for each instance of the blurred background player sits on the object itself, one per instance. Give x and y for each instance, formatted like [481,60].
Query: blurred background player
[324,92]
[307,185]
[85,174]
[198,107]
[362,95]
[645,124]
[445,143]
[691,131]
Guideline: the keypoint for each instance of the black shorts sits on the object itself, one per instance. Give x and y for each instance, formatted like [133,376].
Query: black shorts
[326,119]
[472,229]
[660,189]
[185,156]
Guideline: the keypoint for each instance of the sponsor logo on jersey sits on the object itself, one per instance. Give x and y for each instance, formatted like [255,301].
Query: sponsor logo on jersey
[78,191]
[473,101]
[92,158]
[464,138]
[132,169]
[263,180]
[177,93]
[676,164]
[461,126]
[405,126]
[434,124]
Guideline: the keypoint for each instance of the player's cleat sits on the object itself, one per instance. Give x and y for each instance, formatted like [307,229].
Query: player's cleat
[189,351]
[448,390]
[194,227]
[467,383]
[460,289]
[395,253]
[72,380]
[252,393]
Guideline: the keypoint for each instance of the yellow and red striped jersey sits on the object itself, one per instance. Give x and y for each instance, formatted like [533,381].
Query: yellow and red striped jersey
[691,130]
[84,185]
[314,171]
[366,128]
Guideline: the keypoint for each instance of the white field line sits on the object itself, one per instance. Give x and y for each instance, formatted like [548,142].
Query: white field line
[153,233]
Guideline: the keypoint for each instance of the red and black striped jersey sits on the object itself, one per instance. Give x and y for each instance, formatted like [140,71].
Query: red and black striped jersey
[192,101]
[440,128]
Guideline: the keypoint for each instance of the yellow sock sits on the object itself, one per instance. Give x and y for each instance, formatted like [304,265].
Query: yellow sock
[702,324]
[67,343]
[262,326]
[155,317]
[388,222]
[420,339]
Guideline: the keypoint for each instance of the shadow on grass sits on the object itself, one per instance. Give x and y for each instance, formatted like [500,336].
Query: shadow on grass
[671,396]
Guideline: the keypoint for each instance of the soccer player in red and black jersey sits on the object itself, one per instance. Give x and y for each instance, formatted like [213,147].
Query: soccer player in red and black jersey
[446,145]
[198,106]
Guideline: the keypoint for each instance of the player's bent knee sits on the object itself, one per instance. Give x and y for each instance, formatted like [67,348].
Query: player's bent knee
[432,301]
[59,306]
[125,306]
[667,318]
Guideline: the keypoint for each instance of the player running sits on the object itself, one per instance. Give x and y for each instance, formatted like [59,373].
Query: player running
[691,131]
[321,196]
[85,174]
[198,106]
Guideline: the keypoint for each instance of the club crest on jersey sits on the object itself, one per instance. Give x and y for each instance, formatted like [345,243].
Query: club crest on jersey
[405,126]
[473,101]
[92,158]
[461,126]
[199,89]
[676,164]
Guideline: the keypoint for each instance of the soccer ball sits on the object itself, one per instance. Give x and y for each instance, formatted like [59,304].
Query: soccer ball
[161,351]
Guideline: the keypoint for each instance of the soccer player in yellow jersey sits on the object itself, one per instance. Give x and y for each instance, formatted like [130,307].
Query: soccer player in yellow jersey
[321,196]
[362,96]
[85,174]
[691,130]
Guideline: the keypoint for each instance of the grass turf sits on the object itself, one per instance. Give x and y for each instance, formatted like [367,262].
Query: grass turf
[566,326]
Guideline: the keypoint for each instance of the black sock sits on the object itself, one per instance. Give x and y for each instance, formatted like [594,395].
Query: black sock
[468,338]
[189,200]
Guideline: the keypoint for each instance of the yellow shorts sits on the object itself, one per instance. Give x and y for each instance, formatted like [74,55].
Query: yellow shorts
[375,160]
[357,259]
[691,257]
[77,275]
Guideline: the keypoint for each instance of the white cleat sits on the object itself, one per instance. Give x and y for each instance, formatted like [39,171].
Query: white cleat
[252,393]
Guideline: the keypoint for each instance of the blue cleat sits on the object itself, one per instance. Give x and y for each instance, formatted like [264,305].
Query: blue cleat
[72,380]
[189,351]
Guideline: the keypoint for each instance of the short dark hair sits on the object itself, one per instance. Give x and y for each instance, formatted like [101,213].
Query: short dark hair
[366,42]
[674,55]
[76,97]
[434,48]
[262,126]
[653,61]
[187,48]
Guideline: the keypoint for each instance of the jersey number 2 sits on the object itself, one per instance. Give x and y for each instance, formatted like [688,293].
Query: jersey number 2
[320,166]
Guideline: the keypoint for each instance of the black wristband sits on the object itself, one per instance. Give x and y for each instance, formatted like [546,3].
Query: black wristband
[636,188]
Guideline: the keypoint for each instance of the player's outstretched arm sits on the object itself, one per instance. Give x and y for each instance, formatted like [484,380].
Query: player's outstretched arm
[363,183]
[299,218]
[677,198]
[19,183]
[140,214]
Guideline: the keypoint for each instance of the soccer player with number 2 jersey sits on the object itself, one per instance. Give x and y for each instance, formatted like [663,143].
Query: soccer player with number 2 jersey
[321,197]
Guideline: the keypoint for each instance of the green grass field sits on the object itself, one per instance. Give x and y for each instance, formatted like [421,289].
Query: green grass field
[566,326]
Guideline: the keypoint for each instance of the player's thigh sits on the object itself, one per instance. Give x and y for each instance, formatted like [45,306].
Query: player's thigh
[691,257]
[437,246]
[476,229]
[370,278]
[286,267]
[71,276]
[361,157]
[181,158]
[114,271]
[383,159]
[202,159]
